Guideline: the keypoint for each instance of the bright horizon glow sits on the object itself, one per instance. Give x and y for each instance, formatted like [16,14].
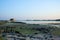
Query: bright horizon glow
[30,9]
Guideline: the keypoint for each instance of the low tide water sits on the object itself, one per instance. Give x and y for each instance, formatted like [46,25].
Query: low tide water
[40,22]
[51,23]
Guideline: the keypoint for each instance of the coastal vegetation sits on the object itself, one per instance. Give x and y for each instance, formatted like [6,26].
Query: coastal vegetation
[3,22]
[28,29]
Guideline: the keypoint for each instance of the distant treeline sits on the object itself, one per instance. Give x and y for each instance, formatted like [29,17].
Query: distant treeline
[44,20]
[57,19]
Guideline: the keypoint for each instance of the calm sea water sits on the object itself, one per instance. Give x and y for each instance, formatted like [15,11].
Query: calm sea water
[40,22]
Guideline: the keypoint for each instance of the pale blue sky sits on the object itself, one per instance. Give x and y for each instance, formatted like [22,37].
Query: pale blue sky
[29,9]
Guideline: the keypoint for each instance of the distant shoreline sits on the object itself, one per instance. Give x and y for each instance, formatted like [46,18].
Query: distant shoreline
[40,20]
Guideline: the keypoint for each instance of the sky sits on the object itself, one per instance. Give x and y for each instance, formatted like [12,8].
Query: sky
[29,9]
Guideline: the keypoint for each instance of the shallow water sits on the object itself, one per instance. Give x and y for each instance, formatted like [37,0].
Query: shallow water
[40,22]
